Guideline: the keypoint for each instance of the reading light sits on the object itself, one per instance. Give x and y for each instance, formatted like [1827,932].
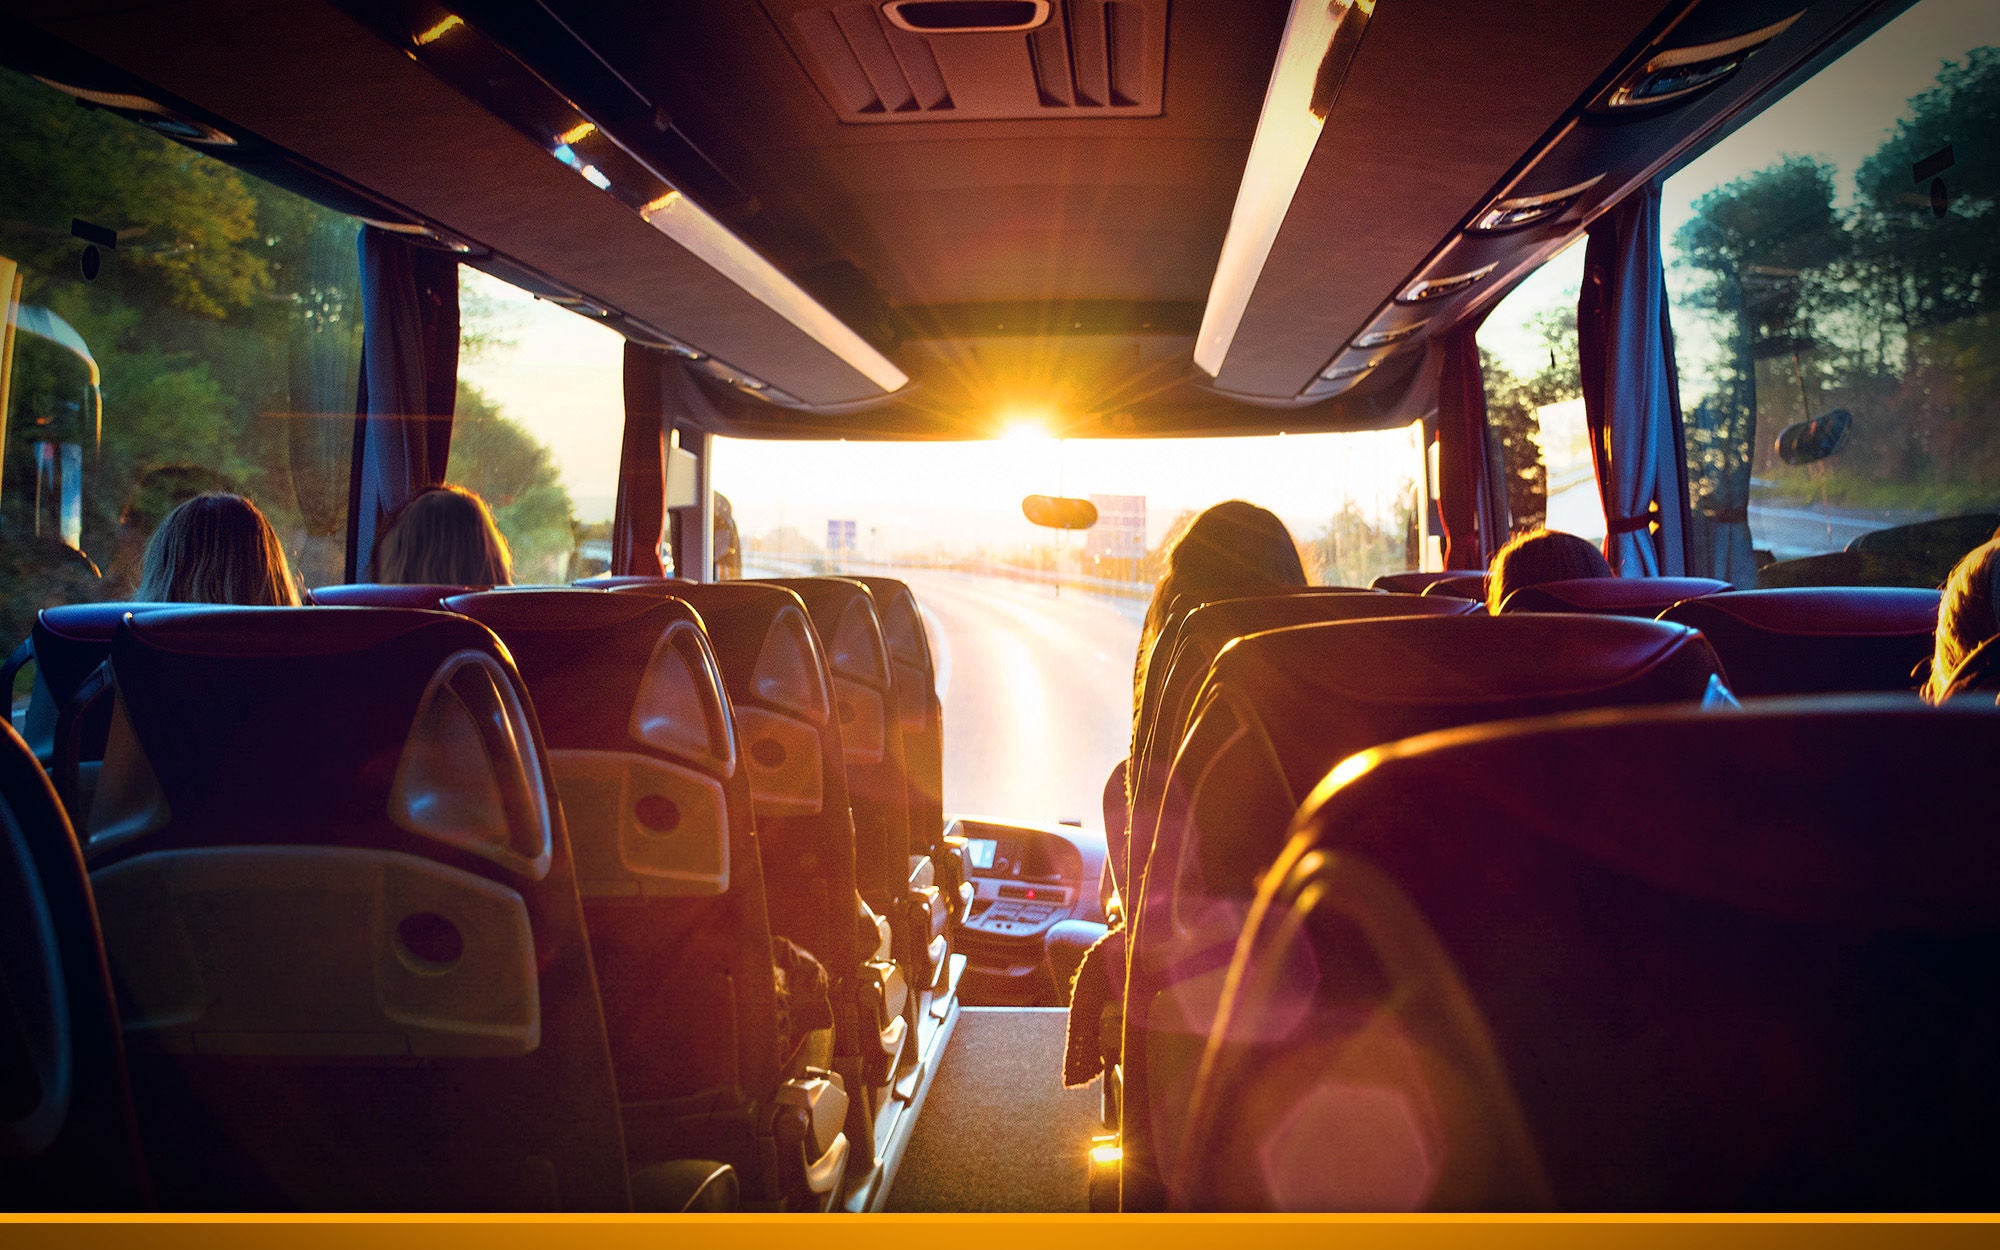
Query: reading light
[1677,72]
[1526,210]
[1337,372]
[685,222]
[1382,338]
[1318,46]
[1106,1155]
[1424,290]
[478,66]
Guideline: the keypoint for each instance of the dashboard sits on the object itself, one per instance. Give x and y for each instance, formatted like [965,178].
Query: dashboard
[1026,880]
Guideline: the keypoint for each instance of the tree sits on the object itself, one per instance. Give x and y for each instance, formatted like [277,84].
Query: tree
[519,480]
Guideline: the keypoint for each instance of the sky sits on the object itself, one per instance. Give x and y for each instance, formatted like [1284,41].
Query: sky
[560,374]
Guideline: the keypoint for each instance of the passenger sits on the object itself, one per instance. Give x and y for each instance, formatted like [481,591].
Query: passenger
[1968,615]
[446,537]
[1541,556]
[216,548]
[1229,551]
[158,491]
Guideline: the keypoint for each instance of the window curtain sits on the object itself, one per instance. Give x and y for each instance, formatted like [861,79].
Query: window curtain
[639,524]
[1630,399]
[1472,512]
[409,383]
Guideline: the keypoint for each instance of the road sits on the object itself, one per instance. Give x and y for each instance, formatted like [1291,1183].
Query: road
[1037,692]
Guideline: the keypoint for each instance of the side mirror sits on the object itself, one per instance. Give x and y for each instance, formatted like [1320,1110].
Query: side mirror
[1807,441]
[1057,513]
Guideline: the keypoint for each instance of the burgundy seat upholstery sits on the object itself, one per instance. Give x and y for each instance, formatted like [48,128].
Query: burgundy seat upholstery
[857,652]
[1201,636]
[644,749]
[1611,596]
[1816,640]
[615,581]
[1409,583]
[340,910]
[66,1132]
[1610,961]
[1277,711]
[781,693]
[387,594]
[1459,586]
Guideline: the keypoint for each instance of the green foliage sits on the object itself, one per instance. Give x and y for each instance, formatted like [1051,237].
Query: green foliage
[1355,548]
[518,479]
[1885,309]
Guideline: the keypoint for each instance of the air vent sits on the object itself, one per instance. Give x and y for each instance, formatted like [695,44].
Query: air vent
[1428,289]
[957,60]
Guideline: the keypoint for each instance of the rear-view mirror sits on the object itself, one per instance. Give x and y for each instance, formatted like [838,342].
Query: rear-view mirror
[1807,441]
[1057,513]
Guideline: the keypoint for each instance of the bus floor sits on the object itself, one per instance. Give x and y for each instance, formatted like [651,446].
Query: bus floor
[998,1131]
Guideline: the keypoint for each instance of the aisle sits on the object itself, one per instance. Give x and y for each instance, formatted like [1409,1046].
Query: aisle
[998,1131]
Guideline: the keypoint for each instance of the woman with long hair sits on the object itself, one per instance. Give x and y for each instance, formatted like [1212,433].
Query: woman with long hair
[216,548]
[444,536]
[1968,614]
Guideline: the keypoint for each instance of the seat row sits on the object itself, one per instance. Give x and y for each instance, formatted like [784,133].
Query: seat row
[470,905]
[1257,700]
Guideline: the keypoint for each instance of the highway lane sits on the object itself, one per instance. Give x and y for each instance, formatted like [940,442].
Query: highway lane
[1037,693]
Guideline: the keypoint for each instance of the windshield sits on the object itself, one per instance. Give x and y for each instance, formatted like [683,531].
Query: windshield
[1035,630]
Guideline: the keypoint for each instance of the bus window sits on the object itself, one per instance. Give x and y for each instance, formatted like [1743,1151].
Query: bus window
[174,326]
[1036,629]
[1833,280]
[540,415]
[1534,402]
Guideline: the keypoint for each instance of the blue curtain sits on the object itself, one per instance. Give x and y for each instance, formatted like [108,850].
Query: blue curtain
[409,383]
[1630,397]
[640,521]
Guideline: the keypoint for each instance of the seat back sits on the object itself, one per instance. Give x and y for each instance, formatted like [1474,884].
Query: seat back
[644,749]
[915,680]
[1611,596]
[782,697]
[66,1134]
[1603,961]
[1202,635]
[340,912]
[1277,711]
[1816,640]
[851,636]
[388,594]
[68,644]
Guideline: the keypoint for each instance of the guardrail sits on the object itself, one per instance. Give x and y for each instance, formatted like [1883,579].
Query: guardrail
[774,565]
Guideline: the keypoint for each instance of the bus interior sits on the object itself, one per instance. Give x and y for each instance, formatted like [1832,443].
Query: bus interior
[795,834]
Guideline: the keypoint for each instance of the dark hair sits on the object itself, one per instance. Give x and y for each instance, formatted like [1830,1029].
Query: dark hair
[1541,556]
[444,536]
[1229,551]
[1968,614]
[216,548]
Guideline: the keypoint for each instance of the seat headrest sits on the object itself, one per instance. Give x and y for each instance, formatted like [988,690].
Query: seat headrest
[1407,583]
[388,594]
[72,640]
[1612,596]
[1459,586]
[1697,810]
[843,611]
[1815,611]
[325,726]
[610,671]
[621,581]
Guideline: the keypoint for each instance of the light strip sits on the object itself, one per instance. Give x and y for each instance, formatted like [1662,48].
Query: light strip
[1287,131]
[684,221]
